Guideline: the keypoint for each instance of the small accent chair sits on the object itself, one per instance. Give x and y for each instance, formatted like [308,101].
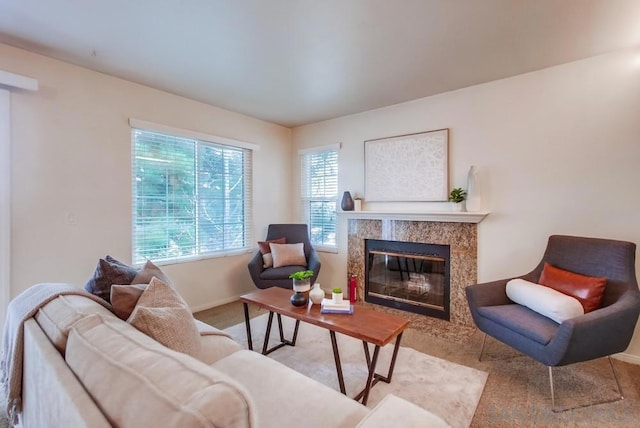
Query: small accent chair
[269,277]
[602,332]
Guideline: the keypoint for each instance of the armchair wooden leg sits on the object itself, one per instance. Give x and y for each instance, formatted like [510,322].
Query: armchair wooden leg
[558,410]
[484,339]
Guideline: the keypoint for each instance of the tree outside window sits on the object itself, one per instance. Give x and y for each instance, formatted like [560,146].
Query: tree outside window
[191,198]
[320,196]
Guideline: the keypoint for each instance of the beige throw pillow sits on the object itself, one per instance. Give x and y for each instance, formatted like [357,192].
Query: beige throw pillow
[288,255]
[148,271]
[163,315]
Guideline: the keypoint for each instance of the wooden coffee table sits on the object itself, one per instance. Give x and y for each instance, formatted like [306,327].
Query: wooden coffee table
[372,327]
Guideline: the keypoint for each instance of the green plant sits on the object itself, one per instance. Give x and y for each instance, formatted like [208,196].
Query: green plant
[457,195]
[337,290]
[301,274]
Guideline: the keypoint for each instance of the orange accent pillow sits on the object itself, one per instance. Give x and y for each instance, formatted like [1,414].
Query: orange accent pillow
[587,289]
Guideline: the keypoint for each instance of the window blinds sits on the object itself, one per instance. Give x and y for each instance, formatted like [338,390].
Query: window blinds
[190,198]
[319,195]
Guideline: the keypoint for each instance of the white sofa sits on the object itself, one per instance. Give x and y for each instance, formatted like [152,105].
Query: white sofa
[85,367]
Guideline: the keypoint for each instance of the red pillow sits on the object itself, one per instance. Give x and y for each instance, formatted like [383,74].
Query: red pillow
[264,245]
[588,290]
[267,258]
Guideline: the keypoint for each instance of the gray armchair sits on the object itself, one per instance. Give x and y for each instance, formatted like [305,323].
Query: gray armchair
[596,334]
[279,277]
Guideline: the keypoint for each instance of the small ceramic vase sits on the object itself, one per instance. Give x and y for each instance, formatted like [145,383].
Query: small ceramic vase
[299,299]
[316,294]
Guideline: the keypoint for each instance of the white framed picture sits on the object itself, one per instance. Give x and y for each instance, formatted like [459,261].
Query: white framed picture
[412,167]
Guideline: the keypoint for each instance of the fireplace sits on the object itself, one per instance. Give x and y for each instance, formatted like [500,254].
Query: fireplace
[410,276]
[459,236]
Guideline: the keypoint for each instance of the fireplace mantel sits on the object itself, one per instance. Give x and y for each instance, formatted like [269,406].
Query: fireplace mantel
[443,216]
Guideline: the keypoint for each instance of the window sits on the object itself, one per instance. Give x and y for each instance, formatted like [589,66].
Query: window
[191,198]
[320,195]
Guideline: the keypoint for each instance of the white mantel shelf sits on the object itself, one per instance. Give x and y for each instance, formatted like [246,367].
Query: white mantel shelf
[444,216]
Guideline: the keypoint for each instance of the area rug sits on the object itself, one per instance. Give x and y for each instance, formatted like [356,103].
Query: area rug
[451,391]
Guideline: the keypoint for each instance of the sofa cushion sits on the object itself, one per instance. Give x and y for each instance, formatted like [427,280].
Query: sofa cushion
[56,317]
[265,250]
[215,343]
[393,411]
[162,314]
[288,255]
[587,289]
[544,300]
[140,383]
[51,393]
[307,403]
[109,271]
[214,348]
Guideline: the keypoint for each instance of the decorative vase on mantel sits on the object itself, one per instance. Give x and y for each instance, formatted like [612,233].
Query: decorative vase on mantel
[347,202]
[474,196]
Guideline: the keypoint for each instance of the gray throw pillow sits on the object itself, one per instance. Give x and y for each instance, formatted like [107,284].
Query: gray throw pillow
[109,271]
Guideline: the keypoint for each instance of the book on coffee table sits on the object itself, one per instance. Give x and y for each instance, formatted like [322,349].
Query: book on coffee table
[328,306]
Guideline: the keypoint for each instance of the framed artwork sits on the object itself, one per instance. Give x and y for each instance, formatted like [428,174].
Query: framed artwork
[411,167]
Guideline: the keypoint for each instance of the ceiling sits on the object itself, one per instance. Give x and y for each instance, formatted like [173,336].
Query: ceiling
[295,62]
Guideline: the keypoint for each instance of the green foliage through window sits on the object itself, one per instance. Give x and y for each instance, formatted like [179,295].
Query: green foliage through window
[319,196]
[190,198]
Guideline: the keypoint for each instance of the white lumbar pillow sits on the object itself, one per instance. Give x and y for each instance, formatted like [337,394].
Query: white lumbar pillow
[544,300]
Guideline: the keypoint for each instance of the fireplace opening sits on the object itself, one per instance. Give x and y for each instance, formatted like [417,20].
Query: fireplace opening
[410,276]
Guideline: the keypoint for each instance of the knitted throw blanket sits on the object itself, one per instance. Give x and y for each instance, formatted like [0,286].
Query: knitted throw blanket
[23,307]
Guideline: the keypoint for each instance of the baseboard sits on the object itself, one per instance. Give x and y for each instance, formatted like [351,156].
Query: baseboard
[215,303]
[627,358]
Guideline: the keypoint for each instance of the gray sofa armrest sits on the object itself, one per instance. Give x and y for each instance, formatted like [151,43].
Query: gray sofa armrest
[255,266]
[313,263]
[487,294]
[393,411]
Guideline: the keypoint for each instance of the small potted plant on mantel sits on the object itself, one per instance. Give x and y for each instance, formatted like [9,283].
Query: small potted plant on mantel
[457,196]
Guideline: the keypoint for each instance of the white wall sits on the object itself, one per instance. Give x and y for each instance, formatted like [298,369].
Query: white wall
[72,154]
[558,151]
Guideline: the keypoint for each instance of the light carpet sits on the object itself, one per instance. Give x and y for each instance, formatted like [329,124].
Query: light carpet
[450,390]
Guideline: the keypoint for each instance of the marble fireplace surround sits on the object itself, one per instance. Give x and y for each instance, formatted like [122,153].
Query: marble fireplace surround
[462,237]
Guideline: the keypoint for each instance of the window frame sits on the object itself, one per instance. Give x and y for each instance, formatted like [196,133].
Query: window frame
[200,139]
[305,199]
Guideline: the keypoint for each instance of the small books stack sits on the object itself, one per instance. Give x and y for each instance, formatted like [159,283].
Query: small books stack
[328,306]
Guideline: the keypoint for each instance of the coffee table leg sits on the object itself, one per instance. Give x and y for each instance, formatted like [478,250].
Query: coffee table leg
[267,334]
[371,365]
[248,325]
[295,334]
[366,354]
[392,365]
[280,328]
[336,357]
[372,371]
